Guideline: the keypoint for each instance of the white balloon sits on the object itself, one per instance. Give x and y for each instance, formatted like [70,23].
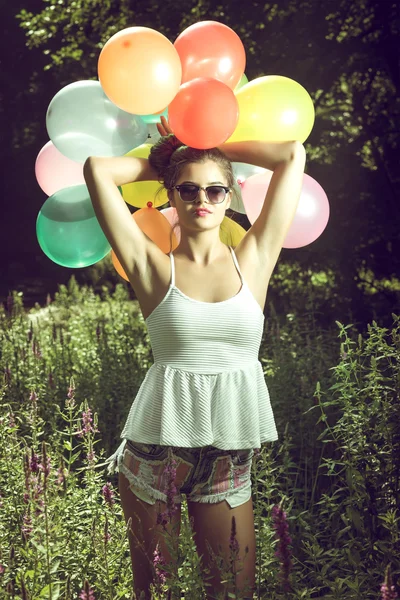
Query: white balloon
[81,122]
[237,201]
[153,134]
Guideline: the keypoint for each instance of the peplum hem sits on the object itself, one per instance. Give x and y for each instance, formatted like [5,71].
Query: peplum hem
[230,410]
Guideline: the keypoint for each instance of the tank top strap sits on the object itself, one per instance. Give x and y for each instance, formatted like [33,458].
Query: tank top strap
[172,269]
[236,263]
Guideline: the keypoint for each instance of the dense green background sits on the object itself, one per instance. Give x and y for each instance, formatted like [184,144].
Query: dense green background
[345,53]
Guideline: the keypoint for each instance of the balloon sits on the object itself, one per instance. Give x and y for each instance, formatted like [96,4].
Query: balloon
[236,199]
[140,70]
[243,171]
[68,231]
[311,216]
[140,193]
[204,113]
[171,214]
[155,118]
[153,134]
[211,49]
[54,171]
[242,82]
[81,121]
[230,232]
[156,227]
[274,109]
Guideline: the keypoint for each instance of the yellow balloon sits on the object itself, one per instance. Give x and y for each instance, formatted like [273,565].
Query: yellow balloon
[230,232]
[140,193]
[273,109]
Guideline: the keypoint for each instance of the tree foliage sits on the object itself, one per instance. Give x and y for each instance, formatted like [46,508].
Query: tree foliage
[345,54]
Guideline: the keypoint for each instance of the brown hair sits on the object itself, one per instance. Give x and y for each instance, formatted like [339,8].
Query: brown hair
[169,156]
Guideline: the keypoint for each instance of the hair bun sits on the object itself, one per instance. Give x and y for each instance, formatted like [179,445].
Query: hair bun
[161,153]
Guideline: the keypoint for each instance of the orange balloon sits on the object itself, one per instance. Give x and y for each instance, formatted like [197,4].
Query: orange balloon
[157,227]
[139,70]
[204,113]
[211,49]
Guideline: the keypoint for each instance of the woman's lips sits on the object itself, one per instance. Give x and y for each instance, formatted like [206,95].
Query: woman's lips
[202,212]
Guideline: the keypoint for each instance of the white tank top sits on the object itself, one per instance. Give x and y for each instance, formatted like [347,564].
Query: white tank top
[206,386]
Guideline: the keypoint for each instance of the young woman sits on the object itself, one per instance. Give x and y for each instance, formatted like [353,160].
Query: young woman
[204,402]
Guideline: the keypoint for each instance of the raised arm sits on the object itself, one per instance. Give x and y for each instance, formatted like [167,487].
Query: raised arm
[103,176]
[265,237]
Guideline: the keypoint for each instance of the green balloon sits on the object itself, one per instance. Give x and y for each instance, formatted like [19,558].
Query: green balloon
[155,118]
[242,82]
[68,231]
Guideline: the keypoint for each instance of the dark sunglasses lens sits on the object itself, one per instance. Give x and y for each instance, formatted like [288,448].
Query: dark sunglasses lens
[216,193]
[188,192]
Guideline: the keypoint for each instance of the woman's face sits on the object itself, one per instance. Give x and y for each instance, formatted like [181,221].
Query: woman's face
[203,175]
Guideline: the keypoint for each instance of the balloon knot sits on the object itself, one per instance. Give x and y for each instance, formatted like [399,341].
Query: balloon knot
[240,181]
[149,204]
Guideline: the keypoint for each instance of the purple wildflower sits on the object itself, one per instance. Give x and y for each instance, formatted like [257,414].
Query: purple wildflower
[283,552]
[108,494]
[61,476]
[45,466]
[33,397]
[233,543]
[2,569]
[388,590]
[87,424]
[36,349]
[87,593]
[170,490]
[34,464]
[159,560]
[27,526]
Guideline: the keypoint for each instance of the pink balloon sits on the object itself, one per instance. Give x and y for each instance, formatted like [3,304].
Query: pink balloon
[312,212]
[171,215]
[54,171]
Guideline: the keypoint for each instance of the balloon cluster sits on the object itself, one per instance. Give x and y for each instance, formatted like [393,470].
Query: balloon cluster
[200,85]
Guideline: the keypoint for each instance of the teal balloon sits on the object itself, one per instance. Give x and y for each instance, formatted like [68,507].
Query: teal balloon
[155,118]
[81,122]
[68,231]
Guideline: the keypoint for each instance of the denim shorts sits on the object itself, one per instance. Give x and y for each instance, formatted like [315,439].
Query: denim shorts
[205,474]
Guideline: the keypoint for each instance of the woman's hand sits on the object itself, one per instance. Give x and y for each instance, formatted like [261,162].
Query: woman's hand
[163,127]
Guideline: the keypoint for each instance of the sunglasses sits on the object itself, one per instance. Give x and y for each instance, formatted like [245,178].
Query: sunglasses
[188,192]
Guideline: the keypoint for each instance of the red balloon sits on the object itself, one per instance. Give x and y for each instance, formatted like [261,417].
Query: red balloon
[204,113]
[211,49]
